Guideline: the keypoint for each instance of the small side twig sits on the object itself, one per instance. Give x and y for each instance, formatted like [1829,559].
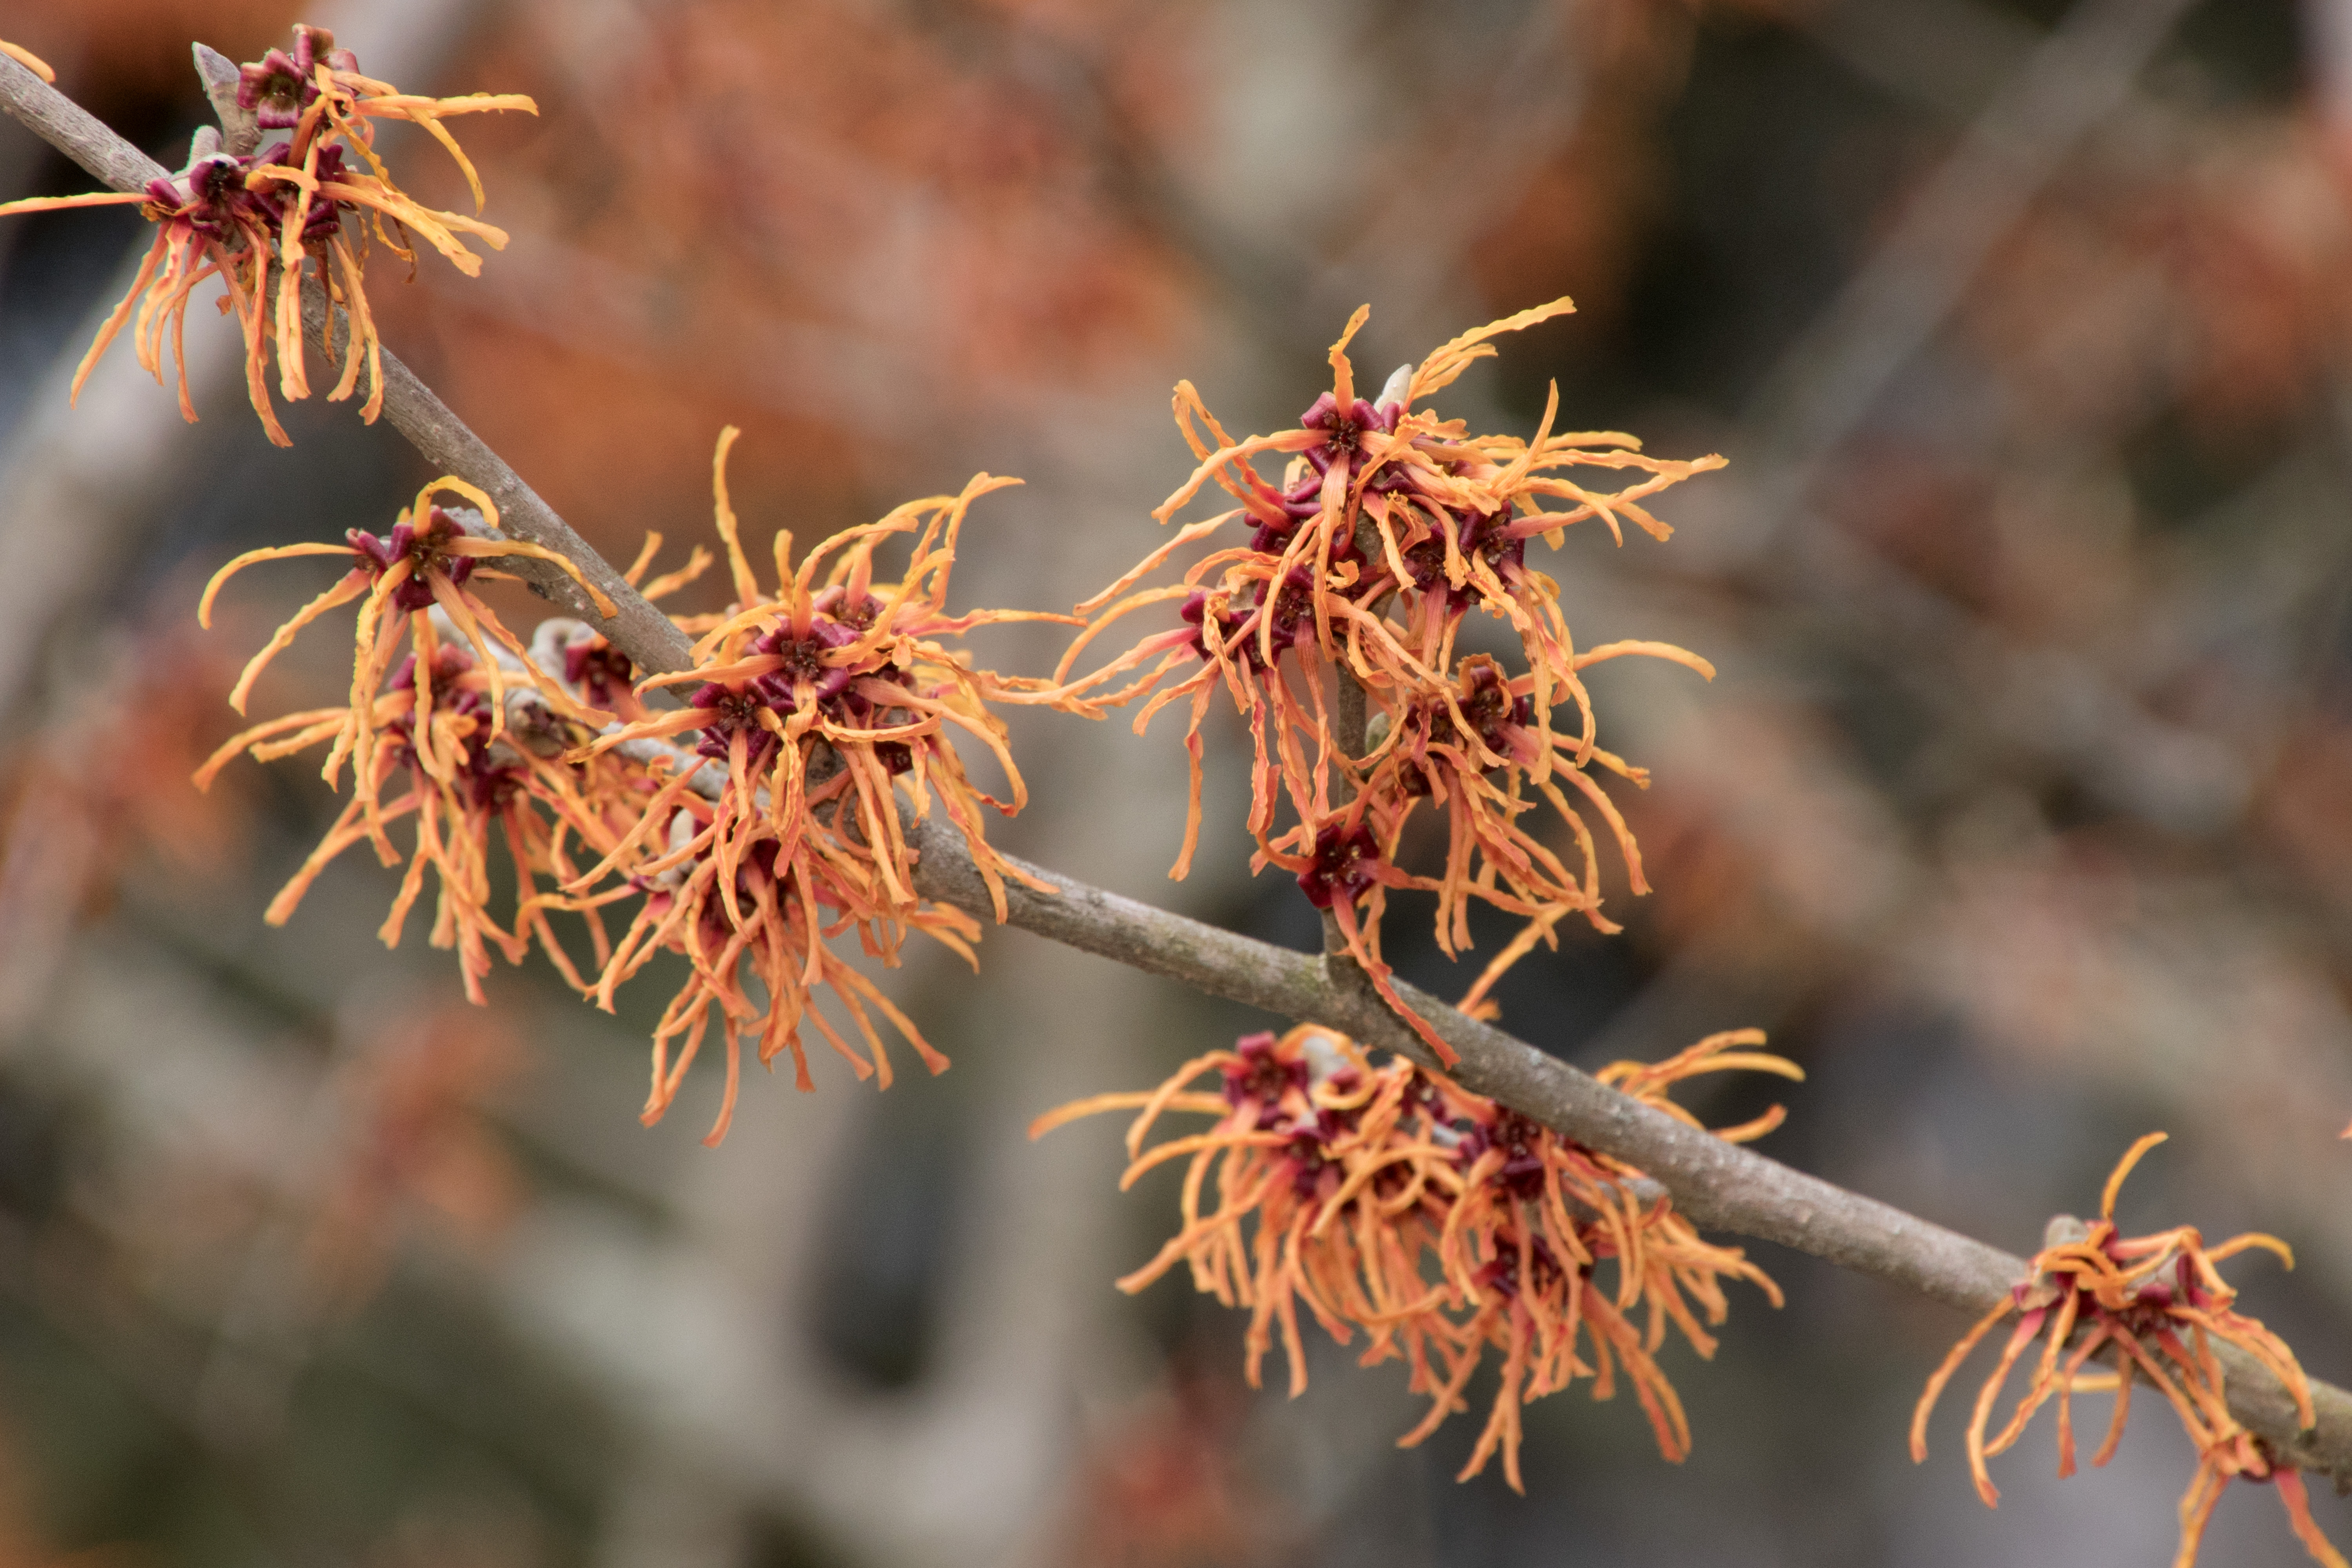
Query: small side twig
[1347,729]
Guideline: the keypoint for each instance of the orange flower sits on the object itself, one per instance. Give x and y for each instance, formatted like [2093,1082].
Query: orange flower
[71,832]
[1335,1180]
[771,915]
[1317,1196]
[256,218]
[414,1145]
[1387,527]
[848,664]
[421,565]
[1240,644]
[1472,750]
[814,705]
[439,719]
[1536,1214]
[1167,1484]
[468,787]
[2155,1302]
[432,727]
[780,828]
[1444,748]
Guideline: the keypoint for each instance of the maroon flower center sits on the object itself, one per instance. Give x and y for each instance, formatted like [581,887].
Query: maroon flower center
[424,548]
[279,87]
[600,671]
[805,661]
[753,874]
[1487,703]
[1502,1274]
[1345,862]
[277,90]
[1263,1077]
[727,709]
[1342,430]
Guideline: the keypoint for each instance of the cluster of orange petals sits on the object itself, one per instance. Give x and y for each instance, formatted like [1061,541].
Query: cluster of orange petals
[1438,1224]
[2155,1303]
[747,828]
[261,220]
[819,709]
[1387,527]
[433,671]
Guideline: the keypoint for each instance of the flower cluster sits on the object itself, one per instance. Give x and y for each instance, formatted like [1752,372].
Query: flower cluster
[747,827]
[1392,1202]
[835,664]
[261,219]
[1388,526]
[432,722]
[815,710]
[2155,1304]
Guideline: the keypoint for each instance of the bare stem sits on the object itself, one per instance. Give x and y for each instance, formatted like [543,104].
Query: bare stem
[1718,1185]
[1348,723]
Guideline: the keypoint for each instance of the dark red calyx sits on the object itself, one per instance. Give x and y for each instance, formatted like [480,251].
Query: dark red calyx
[834,602]
[1485,535]
[1342,431]
[1262,1076]
[1294,608]
[805,660]
[1501,1275]
[755,874]
[422,547]
[1486,702]
[1195,614]
[1520,1139]
[279,87]
[1345,862]
[489,785]
[731,709]
[599,669]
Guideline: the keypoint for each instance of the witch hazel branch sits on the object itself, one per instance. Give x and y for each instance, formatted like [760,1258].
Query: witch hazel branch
[1413,1178]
